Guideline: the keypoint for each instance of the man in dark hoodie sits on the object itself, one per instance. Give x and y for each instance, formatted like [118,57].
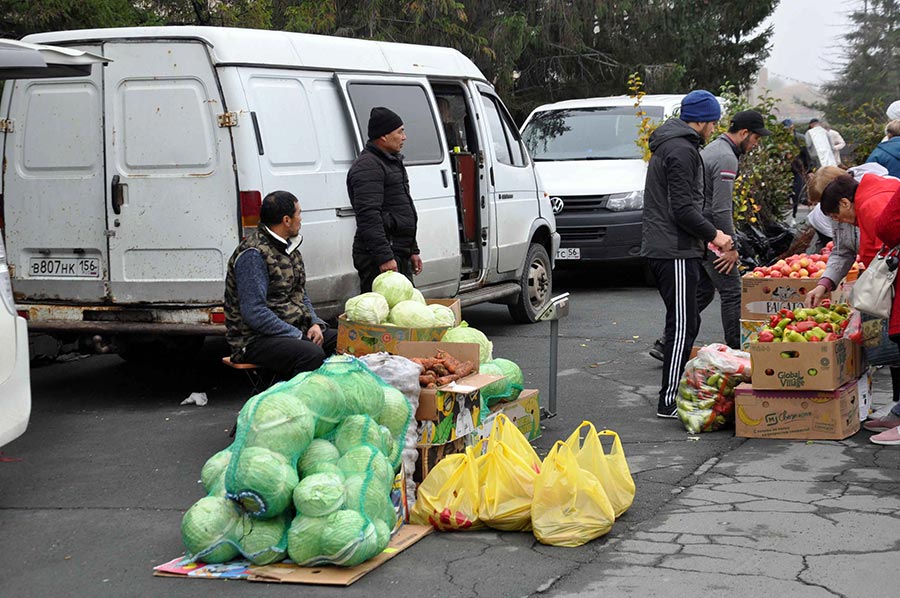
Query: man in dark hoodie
[386,217]
[675,234]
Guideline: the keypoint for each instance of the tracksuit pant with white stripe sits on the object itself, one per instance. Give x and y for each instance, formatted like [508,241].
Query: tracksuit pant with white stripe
[677,281]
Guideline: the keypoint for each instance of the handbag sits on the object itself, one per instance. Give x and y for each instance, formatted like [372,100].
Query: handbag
[873,292]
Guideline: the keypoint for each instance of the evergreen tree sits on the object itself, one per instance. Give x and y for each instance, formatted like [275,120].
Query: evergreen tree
[870,79]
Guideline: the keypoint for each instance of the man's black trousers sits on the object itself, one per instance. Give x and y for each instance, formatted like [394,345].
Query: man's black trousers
[677,281]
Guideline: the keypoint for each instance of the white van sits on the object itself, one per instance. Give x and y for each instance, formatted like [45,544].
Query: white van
[589,161]
[126,192]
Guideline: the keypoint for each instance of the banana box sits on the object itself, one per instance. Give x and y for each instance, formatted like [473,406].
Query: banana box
[800,415]
[524,413]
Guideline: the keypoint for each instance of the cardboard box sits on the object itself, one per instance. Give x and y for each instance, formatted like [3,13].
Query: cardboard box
[431,454]
[524,412]
[361,339]
[329,575]
[749,330]
[802,415]
[453,410]
[762,297]
[805,366]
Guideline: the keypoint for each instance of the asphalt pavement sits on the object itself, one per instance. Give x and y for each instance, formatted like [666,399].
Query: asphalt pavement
[91,497]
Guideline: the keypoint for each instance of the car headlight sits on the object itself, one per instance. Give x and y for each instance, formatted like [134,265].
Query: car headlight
[622,202]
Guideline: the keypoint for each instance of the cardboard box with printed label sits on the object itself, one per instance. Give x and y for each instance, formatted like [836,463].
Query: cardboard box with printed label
[749,331]
[358,339]
[805,366]
[454,410]
[801,415]
[524,412]
[762,297]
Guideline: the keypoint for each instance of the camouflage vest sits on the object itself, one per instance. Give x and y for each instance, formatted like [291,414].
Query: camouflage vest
[287,280]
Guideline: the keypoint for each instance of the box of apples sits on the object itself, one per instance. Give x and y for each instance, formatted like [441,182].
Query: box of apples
[766,290]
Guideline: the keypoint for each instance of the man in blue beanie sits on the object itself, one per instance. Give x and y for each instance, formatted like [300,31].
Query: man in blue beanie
[675,234]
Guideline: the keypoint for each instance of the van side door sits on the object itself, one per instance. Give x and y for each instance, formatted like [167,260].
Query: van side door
[511,179]
[172,193]
[427,162]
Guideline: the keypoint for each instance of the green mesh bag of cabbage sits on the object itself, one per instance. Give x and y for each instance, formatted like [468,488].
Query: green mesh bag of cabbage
[504,390]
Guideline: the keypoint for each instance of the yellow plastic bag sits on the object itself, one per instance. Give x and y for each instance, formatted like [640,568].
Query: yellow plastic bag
[448,497]
[570,507]
[507,472]
[504,430]
[611,469]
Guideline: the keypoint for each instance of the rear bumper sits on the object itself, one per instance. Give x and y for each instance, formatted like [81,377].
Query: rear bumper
[50,318]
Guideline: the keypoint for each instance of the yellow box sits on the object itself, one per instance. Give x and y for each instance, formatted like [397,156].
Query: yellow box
[749,331]
[524,412]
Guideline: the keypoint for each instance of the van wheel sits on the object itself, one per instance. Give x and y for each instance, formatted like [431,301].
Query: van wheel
[537,286]
[159,349]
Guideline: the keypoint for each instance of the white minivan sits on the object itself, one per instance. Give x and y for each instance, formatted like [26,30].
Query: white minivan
[18,60]
[126,191]
[587,155]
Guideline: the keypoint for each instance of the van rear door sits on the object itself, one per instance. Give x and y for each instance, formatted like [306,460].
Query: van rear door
[55,220]
[171,200]
[427,161]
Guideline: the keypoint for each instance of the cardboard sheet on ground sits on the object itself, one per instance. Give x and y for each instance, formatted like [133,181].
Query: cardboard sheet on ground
[291,573]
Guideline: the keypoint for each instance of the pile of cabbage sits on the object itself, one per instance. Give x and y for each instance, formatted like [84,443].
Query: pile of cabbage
[394,300]
[310,475]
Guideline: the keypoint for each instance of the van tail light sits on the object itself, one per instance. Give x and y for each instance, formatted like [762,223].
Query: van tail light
[251,201]
[217,316]
[23,313]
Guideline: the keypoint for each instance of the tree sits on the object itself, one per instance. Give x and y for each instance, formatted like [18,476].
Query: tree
[870,78]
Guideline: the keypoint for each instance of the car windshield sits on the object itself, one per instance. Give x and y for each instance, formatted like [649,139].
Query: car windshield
[599,133]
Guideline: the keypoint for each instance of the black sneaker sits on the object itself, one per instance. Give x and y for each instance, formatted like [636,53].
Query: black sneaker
[667,413]
[656,351]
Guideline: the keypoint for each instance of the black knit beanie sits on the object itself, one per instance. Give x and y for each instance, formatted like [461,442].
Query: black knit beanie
[382,121]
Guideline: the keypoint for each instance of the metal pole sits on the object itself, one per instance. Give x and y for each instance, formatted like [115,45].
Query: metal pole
[554,347]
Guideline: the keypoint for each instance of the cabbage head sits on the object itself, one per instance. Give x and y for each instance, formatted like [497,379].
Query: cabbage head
[324,398]
[443,315]
[209,529]
[281,423]
[417,296]
[213,471]
[367,495]
[412,314]
[466,334]
[495,391]
[396,412]
[383,531]
[513,373]
[319,494]
[343,531]
[368,308]
[263,481]
[324,468]
[362,390]
[393,286]
[366,548]
[305,539]
[263,539]
[365,459]
[319,452]
[356,430]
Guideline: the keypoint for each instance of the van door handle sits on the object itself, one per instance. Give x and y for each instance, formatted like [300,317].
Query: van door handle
[117,194]
[444,177]
[344,212]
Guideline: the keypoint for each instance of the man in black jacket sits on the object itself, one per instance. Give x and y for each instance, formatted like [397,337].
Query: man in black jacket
[385,214]
[674,232]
